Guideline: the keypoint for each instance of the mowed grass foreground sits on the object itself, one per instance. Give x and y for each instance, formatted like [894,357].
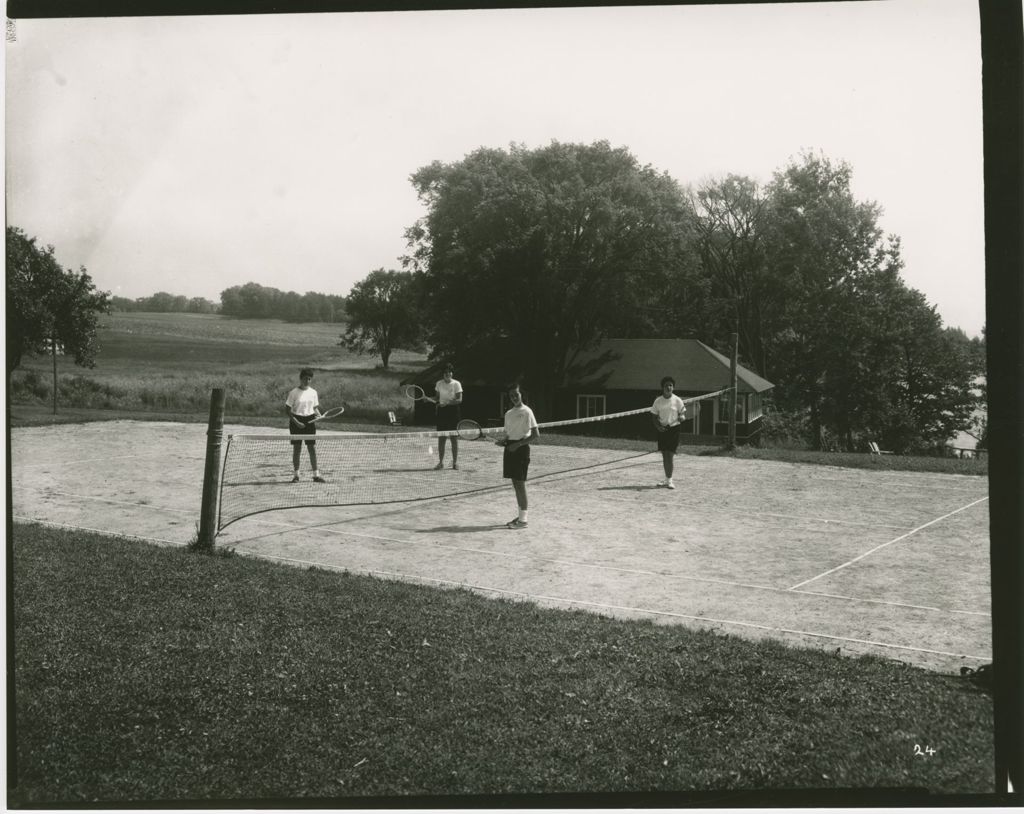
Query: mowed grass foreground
[160,674]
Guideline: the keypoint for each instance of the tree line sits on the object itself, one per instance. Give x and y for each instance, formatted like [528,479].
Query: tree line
[254,301]
[163,303]
[248,301]
[527,257]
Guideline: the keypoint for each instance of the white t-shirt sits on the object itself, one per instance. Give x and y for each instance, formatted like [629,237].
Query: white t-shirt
[447,391]
[302,402]
[518,422]
[670,411]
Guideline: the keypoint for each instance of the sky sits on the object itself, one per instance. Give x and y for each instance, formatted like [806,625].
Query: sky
[192,154]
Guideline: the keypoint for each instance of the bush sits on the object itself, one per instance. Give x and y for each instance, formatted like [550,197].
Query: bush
[81,391]
[786,430]
[30,387]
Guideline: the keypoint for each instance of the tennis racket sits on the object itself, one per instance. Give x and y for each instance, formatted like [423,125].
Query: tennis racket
[417,393]
[469,430]
[337,411]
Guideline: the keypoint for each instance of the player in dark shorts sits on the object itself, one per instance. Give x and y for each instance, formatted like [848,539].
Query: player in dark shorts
[449,412]
[520,430]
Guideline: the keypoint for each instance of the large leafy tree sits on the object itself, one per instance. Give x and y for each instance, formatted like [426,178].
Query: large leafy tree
[527,257]
[823,245]
[382,315]
[894,372]
[856,348]
[48,304]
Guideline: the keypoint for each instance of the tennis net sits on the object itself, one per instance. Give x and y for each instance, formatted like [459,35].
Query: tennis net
[395,467]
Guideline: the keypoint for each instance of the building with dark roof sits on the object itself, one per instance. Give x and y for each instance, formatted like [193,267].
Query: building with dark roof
[625,374]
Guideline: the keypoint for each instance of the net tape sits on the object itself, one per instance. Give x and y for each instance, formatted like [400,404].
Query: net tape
[486,431]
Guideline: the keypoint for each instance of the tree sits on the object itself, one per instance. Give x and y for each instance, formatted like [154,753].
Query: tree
[46,303]
[896,374]
[741,294]
[528,257]
[824,247]
[382,315]
[852,345]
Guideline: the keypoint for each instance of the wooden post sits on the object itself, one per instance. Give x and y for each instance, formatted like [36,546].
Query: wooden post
[734,340]
[53,353]
[211,475]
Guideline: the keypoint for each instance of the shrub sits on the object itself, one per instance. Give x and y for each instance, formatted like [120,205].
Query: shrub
[786,430]
[30,387]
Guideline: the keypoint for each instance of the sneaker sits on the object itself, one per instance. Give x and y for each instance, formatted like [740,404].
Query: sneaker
[454,465]
[670,484]
[295,478]
[440,465]
[516,524]
[663,483]
[318,479]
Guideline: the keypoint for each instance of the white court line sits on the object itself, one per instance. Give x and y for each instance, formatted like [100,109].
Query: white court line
[617,569]
[45,491]
[883,545]
[884,602]
[104,532]
[649,611]
[717,509]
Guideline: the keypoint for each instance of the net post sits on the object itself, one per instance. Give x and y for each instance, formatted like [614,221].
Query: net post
[211,475]
[734,341]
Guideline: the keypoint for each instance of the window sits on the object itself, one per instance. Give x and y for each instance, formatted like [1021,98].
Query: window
[723,408]
[588,406]
[756,410]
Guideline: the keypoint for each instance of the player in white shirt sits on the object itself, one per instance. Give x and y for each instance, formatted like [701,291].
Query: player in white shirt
[520,430]
[667,412]
[303,406]
[449,403]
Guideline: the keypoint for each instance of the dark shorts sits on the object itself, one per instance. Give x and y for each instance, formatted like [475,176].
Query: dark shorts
[307,428]
[516,464]
[668,441]
[448,417]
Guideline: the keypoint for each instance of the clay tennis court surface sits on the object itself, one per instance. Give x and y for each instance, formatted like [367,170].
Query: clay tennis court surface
[890,563]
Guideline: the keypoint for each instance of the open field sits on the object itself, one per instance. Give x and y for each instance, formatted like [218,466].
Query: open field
[169,363]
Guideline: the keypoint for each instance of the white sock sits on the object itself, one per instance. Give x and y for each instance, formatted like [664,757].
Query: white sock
[522,515]
[316,473]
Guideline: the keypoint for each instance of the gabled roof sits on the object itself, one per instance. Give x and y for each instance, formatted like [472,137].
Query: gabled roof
[639,364]
[633,364]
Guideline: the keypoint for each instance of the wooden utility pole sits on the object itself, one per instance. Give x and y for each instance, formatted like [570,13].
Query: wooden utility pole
[734,340]
[53,354]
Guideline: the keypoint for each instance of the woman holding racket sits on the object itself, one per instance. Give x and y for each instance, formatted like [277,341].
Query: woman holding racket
[449,408]
[303,408]
[520,430]
[667,412]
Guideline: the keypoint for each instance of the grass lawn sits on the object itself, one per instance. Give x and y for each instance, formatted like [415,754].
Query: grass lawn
[146,673]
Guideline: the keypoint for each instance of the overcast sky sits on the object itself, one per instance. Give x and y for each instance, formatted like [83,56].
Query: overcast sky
[190,154]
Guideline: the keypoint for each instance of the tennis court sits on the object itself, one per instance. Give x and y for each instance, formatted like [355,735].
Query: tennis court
[890,563]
